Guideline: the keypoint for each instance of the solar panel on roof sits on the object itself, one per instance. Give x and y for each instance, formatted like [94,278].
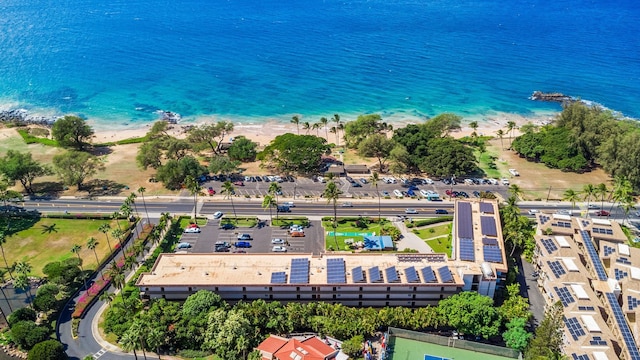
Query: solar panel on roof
[374,274]
[279,277]
[608,250]
[488,226]
[549,245]
[428,275]
[580,357]
[464,218]
[574,327]
[486,208]
[627,336]
[489,241]
[445,274]
[593,254]
[299,271]
[586,308]
[492,254]
[357,275]
[565,296]
[544,219]
[467,252]
[597,341]
[632,302]
[623,260]
[336,273]
[411,274]
[556,268]
[392,274]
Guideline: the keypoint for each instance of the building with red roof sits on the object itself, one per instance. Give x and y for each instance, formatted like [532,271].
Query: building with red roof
[310,348]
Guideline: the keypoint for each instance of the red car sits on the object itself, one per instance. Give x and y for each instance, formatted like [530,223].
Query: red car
[602,213]
[238,183]
[211,191]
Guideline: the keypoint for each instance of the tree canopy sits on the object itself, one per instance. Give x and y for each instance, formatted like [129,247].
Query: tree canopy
[222,164]
[242,149]
[74,167]
[48,350]
[471,313]
[209,136]
[72,131]
[363,127]
[17,166]
[174,172]
[290,153]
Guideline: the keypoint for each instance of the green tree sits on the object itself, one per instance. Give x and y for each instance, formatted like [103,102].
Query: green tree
[441,125]
[22,281]
[448,157]
[275,189]
[515,306]
[306,126]
[104,228]
[353,346]
[572,196]
[229,334]
[174,172]
[176,149]
[17,166]
[3,240]
[332,194]
[378,146]
[602,191]
[141,191]
[229,190]
[471,313]
[324,121]
[363,127]
[474,125]
[129,341]
[547,341]
[92,244]
[74,167]
[374,179]
[48,350]
[511,125]
[72,131]
[289,153]
[516,336]
[200,303]
[242,149]
[500,134]
[268,202]
[22,314]
[194,188]
[149,155]
[588,191]
[222,164]
[26,334]
[336,129]
[76,250]
[295,119]
[209,136]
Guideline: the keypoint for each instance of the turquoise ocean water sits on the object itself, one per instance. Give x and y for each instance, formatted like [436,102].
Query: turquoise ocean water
[116,61]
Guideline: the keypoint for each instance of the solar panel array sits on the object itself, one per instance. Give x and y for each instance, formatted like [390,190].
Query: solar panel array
[574,327]
[374,274]
[488,226]
[411,274]
[620,274]
[486,208]
[597,341]
[580,357]
[585,223]
[544,219]
[627,336]
[608,250]
[593,254]
[465,223]
[632,302]
[279,277]
[336,272]
[492,254]
[564,295]
[562,224]
[549,245]
[467,252]
[392,274]
[357,275]
[602,231]
[489,241]
[427,275]
[556,268]
[623,260]
[299,271]
[586,308]
[445,274]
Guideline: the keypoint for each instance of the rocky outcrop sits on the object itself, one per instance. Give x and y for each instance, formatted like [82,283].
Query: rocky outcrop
[555,97]
[22,117]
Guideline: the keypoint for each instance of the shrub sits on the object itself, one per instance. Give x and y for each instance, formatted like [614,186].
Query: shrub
[26,334]
[22,314]
[48,350]
[430,221]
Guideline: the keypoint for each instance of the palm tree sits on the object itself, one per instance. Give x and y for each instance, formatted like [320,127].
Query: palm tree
[628,205]
[324,121]
[194,188]
[116,274]
[296,120]
[228,190]
[275,189]
[106,297]
[588,191]
[374,179]
[129,342]
[132,201]
[474,126]
[602,190]
[316,127]
[137,328]
[22,282]
[76,250]
[516,191]
[155,339]
[336,119]
[500,134]
[572,196]
[3,272]
[127,211]
[130,262]
[3,240]
[142,190]
[269,202]
[116,216]
[306,126]
[118,234]
[92,244]
[104,228]
[511,125]
[332,193]
[622,190]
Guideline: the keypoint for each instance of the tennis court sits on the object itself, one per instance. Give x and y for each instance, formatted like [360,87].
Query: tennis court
[406,349]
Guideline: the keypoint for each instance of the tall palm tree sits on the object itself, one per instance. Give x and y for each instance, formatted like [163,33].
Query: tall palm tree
[572,196]
[129,342]
[511,125]
[588,191]
[22,282]
[500,134]
[602,190]
[229,190]
[3,272]
[324,121]
[628,205]
[516,191]
[106,297]
[374,179]
[126,210]
[76,250]
[336,119]
[316,127]
[104,228]
[92,244]
[138,328]
[116,216]
[474,126]
[334,130]
[142,190]
[622,190]
[306,126]
[269,202]
[332,193]
[118,234]
[132,201]
[3,240]
[194,188]
[116,274]
[295,119]
[275,189]
[155,339]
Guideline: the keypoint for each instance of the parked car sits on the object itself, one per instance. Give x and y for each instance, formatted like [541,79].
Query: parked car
[191,230]
[514,172]
[217,214]
[277,241]
[221,249]
[183,245]
[297,234]
[355,184]
[427,181]
[385,193]
[505,181]
[602,213]
[238,183]
[410,211]
[244,236]
[493,181]
[476,193]
[242,244]
[363,180]
[398,193]
[293,228]
[279,248]
[227,226]
[222,243]
[211,191]
[441,211]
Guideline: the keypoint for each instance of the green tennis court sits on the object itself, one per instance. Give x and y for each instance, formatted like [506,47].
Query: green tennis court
[405,349]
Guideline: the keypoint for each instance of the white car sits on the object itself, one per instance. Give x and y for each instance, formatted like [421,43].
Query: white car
[427,181]
[296,228]
[424,193]
[410,211]
[347,204]
[321,179]
[493,181]
[279,248]
[638,214]
[277,241]
[192,230]
[533,211]
[505,181]
[398,193]
[514,172]
[183,245]
[217,214]
[593,206]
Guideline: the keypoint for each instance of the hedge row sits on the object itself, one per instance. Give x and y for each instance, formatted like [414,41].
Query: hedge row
[424,222]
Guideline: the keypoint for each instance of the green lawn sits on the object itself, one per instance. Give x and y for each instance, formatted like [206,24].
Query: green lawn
[347,227]
[440,245]
[433,231]
[287,221]
[51,240]
[487,163]
[240,221]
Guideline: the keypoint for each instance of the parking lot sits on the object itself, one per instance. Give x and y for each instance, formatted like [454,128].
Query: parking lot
[204,242]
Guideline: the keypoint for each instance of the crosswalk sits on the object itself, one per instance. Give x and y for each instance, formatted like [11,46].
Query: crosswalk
[99,353]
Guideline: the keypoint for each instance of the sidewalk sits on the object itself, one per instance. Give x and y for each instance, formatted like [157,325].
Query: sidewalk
[410,240]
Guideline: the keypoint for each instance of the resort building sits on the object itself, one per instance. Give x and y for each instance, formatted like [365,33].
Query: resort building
[300,348]
[367,279]
[588,266]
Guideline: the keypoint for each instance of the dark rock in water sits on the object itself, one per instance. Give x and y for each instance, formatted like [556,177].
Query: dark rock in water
[555,97]
[22,117]
[170,117]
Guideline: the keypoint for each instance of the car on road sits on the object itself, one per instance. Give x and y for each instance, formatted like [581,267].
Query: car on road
[227,226]
[279,248]
[347,204]
[602,213]
[183,245]
[410,211]
[593,207]
[289,204]
[441,211]
[242,244]
[277,241]
[533,211]
[192,230]
[564,212]
[244,236]
[217,214]
[282,208]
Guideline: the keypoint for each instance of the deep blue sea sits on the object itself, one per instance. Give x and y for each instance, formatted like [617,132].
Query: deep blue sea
[116,61]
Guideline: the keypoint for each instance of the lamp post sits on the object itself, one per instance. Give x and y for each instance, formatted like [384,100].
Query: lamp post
[294,190]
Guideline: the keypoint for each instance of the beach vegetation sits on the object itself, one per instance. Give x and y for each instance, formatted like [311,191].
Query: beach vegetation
[290,153]
[209,136]
[222,164]
[242,149]
[31,137]
[176,148]
[149,155]
[18,166]
[74,167]
[363,127]
[72,131]
[377,146]
[174,172]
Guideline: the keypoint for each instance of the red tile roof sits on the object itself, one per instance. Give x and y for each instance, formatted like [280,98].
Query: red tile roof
[272,344]
[319,345]
[305,350]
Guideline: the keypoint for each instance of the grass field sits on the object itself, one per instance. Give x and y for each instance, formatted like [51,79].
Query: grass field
[433,231]
[348,227]
[52,239]
[406,349]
